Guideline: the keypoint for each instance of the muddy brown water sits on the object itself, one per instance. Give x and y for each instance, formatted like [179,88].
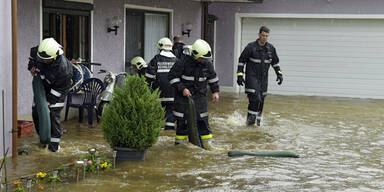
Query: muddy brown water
[340,142]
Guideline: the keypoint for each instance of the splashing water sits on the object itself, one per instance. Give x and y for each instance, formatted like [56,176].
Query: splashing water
[235,119]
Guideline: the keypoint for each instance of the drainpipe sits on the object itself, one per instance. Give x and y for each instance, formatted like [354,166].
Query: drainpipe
[204,20]
[14,78]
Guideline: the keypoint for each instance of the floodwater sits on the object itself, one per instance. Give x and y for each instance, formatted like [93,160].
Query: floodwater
[340,142]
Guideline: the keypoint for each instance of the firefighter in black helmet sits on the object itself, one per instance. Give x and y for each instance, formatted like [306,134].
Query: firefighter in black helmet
[157,77]
[190,77]
[257,56]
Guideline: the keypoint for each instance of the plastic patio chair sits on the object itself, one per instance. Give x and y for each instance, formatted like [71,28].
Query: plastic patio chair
[91,89]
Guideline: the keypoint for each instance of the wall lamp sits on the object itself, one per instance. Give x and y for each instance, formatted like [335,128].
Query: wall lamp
[114,24]
[186,29]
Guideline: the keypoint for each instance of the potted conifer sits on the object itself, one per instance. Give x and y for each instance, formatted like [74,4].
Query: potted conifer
[132,121]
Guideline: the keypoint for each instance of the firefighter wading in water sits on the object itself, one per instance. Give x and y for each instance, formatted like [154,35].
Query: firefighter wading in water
[56,72]
[258,56]
[157,77]
[190,77]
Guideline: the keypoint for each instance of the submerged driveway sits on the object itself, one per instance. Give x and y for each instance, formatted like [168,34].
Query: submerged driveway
[339,141]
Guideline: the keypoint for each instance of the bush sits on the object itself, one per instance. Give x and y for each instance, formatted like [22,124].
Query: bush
[134,117]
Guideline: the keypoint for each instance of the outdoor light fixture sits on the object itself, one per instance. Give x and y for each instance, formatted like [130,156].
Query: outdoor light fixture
[114,24]
[186,29]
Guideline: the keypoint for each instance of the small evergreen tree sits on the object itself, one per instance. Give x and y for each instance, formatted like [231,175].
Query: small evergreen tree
[134,117]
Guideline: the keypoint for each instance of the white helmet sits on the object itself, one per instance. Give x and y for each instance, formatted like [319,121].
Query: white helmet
[164,44]
[138,62]
[49,49]
[201,49]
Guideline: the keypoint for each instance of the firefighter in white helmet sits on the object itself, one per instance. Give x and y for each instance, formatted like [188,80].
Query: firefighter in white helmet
[157,77]
[56,71]
[139,64]
[190,77]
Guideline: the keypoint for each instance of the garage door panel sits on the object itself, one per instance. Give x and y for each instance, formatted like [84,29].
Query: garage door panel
[305,24]
[338,72]
[323,60]
[327,92]
[332,57]
[325,53]
[335,47]
[337,83]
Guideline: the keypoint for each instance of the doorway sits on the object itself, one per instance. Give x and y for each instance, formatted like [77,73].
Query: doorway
[211,35]
[143,29]
[70,28]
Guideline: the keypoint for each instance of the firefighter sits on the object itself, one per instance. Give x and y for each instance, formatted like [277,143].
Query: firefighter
[190,77]
[56,72]
[257,56]
[178,45]
[157,77]
[139,64]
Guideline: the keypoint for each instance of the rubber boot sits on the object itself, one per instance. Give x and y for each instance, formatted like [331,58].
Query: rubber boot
[53,147]
[258,120]
[169,127]
[251,119]
[210,146]
[180,141]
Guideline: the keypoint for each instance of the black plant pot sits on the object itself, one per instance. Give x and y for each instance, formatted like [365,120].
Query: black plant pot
[132,154]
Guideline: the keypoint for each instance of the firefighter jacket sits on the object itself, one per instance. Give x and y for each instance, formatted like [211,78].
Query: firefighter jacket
[177,49]
[56,76]
[141,72]
[190,74]
[257,60]
[157,74]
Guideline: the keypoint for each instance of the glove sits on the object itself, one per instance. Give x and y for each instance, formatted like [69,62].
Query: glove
[240,80]
[279,79]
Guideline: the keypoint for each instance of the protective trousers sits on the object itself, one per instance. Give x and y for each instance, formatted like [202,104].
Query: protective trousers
[56,131]
[169,118]
[181,114]
[255,108]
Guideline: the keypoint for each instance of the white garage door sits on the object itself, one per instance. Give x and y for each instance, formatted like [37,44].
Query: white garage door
[325,57]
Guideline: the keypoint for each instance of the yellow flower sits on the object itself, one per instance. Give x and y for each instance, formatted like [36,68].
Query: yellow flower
[17,182]
[104,165]
[41,175]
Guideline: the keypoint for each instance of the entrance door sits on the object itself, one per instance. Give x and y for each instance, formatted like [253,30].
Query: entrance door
[143,30]
[71,30]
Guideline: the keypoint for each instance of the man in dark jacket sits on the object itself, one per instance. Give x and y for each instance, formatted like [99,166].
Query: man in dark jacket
[178,45]
[56,72]
[190,77]
[258,56]
[157,77]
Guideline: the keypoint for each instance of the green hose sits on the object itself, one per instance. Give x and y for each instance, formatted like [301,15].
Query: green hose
[42,110]
[263,153]
[194,135]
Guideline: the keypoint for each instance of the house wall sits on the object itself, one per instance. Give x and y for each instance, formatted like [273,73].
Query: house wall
[107,48]
[28,35]
[226,22]
[6,77]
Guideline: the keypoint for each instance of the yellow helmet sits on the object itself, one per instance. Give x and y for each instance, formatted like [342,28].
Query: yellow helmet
[201,49]
[49,49]
[138,62]
[165,44]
